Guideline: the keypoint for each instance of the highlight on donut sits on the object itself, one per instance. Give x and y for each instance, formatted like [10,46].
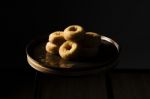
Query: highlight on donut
[52,48]
[57,37]
[74,33]
[69,50]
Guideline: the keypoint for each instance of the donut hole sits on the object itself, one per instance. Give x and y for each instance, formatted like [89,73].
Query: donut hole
[72,29]
[68,47]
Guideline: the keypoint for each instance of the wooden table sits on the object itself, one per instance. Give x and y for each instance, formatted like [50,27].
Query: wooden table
[116,84]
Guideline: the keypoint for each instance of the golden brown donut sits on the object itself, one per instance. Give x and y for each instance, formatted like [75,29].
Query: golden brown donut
[57,37]
[69,50]
[52,48]
[90,39]
[74,33]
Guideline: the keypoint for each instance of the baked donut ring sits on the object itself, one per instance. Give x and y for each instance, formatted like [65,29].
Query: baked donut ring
[57,37]
[69,50]
[52,48]
[73,33]
[90,39]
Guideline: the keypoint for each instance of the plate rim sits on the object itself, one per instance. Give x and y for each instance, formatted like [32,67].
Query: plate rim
[37,66]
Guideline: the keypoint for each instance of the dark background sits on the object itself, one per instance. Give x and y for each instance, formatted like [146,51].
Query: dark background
[126,21]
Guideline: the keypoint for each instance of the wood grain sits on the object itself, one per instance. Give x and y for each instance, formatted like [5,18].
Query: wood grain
[85,87]
[131,85]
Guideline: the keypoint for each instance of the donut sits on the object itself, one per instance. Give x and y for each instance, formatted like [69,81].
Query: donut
[52,48]
[57,38]
[69,50]
[74,33]
[90,39]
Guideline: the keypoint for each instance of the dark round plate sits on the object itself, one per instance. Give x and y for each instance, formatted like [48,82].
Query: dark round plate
[44,62]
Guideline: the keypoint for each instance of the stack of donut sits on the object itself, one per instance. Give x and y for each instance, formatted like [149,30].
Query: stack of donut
[73,43]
